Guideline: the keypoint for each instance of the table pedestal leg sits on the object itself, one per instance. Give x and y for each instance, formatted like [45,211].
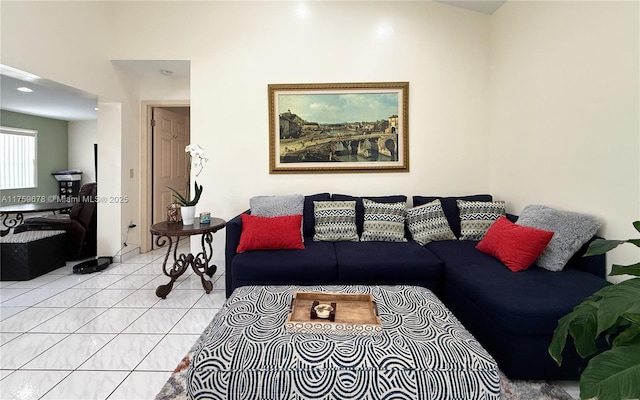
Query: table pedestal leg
[201,270]
[201,262]
[206,284]
[163,290]
[180,265]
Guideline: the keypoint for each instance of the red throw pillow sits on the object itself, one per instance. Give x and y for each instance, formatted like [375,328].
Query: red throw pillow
[270,233]
[515,245]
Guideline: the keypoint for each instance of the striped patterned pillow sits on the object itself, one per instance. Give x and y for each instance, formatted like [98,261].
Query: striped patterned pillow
[383,222]
[427,223]
[335,221]
[477,216]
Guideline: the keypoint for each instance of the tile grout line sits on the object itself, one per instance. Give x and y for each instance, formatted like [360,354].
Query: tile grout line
[154,347]
[158,343]
[145,279]
[103,346]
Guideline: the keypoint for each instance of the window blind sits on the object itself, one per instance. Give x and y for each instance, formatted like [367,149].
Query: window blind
[18,149]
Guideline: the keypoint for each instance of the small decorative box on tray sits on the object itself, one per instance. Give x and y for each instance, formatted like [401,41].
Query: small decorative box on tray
[334,313]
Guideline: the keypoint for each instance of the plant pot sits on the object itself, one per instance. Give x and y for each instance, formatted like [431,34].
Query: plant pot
[188,214]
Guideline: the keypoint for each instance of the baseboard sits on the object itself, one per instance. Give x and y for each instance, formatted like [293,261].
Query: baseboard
[134,251]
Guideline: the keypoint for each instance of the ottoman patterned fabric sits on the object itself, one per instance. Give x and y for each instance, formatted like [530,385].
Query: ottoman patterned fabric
[422,353]
[30,236]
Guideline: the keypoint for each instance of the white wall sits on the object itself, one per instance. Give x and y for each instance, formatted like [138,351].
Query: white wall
[82,136]
[152,88]
[158,87]
[67,42]
[565,110]
[237,48]
[109,149]
[536,104]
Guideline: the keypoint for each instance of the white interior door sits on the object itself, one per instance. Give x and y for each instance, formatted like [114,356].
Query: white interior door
[170,137]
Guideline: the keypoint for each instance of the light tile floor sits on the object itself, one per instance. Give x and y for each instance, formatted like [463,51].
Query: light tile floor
[104,335]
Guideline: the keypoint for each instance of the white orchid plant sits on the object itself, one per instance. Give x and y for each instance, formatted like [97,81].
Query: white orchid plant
[197,159]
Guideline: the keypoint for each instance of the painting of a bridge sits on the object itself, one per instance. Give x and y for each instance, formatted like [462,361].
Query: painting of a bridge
[343,127]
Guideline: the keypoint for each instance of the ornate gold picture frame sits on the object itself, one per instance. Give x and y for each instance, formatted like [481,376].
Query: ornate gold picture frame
[339,127]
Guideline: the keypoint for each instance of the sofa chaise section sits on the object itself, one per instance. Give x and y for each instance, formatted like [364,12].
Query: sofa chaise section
[513,314]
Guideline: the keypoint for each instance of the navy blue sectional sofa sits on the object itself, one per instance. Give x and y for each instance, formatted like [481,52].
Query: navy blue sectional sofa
[512,314]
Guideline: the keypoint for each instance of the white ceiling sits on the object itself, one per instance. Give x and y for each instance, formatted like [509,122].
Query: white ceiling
[142,68]
[48,99]
[53,100]
[483,6]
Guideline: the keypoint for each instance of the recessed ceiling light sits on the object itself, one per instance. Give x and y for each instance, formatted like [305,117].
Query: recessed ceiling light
[95,108]
[25,89]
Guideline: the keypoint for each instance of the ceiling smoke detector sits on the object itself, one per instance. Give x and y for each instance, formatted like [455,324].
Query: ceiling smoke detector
[166,72]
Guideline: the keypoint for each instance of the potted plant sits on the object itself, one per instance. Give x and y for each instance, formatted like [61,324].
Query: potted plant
[610,316]
[188,207]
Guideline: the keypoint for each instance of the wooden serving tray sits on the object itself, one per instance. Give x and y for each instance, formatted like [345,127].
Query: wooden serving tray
[355,314]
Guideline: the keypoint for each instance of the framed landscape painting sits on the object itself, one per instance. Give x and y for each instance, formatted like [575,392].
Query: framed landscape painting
[339,127]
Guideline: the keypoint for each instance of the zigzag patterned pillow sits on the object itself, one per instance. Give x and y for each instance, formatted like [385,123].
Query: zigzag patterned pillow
[477,216]
[428,223]
[335,221]
[383,222]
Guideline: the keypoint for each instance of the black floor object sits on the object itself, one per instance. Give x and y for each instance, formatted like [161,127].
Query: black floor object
[91,266]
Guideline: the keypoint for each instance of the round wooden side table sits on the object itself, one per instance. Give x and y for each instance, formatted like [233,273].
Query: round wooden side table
[166,231]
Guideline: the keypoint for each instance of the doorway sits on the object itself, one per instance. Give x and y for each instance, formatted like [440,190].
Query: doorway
[165,163]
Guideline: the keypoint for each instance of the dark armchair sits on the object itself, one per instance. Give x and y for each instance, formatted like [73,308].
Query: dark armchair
[79,224]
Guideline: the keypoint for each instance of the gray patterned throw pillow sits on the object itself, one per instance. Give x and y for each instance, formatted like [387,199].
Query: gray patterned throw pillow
[335,221]
[477,216]
[383,222]
[427,223]
[570,231]
[277,206]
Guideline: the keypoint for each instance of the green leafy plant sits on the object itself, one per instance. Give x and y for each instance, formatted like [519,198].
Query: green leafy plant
[183,201]
[610,316]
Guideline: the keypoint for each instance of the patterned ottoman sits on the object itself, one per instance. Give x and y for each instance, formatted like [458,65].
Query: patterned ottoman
[422,353]
[29,254]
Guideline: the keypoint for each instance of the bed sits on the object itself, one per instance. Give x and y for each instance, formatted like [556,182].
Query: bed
[423,352]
